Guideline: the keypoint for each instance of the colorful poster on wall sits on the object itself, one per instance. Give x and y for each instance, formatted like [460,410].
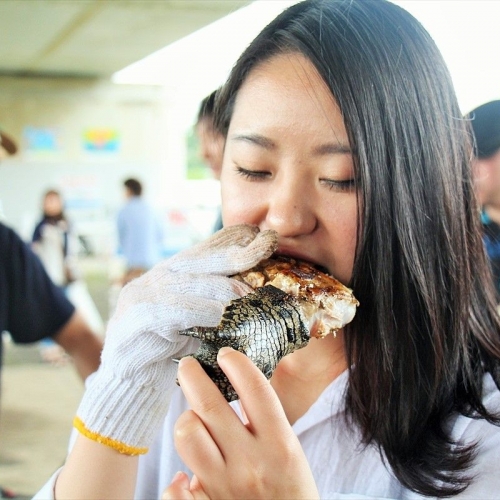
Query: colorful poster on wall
[101,140]
[41,141]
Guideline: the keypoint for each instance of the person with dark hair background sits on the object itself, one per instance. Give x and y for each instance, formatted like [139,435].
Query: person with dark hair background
[485,122]
[344,142]
[33,308]
[51,242]
[140,232]
[51,239]
[211,142]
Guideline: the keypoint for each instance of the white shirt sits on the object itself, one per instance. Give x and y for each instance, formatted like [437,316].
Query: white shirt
[342,467]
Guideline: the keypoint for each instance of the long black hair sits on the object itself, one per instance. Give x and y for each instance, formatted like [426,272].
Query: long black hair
[427,329]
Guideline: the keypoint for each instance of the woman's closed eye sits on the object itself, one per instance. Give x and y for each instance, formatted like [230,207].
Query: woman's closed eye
[252,174]
[340,185]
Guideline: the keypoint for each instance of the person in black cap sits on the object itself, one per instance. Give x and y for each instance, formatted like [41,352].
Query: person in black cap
[485,121]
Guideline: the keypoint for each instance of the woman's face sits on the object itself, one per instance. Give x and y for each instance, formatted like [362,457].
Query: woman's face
[52,204]
[288,165]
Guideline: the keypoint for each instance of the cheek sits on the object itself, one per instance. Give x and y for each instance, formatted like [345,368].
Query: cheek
[349,249]
[237,206]
[240,202]
[341,229]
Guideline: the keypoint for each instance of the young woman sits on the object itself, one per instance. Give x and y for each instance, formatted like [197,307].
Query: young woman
[51,239]
[55,244]
[344,138]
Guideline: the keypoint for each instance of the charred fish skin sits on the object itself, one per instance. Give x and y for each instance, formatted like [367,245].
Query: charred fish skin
[266,325]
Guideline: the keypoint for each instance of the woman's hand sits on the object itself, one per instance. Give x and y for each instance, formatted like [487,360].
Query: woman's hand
[261,458]
[182,489]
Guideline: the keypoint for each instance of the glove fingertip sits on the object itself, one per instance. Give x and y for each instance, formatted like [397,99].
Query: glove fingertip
[266,241]
[239,234]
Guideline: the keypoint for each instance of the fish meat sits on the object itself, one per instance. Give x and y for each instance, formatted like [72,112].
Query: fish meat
[327,304]
[292,301]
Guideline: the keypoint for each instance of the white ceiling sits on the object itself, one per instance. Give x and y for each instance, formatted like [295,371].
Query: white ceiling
[96,37]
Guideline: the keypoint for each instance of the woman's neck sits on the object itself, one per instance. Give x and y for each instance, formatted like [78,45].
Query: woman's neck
[302,376]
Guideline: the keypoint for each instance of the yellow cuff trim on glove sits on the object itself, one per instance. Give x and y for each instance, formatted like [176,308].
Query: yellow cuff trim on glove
[112,443]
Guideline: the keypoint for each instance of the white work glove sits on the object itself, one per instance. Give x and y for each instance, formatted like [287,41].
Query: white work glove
[128,397]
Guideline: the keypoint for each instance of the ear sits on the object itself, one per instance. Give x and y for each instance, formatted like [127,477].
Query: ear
[481,169]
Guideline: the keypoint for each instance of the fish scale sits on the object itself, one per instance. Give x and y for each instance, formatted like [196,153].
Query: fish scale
[265,325]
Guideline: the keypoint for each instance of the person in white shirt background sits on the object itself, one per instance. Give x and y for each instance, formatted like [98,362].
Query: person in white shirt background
[345,141]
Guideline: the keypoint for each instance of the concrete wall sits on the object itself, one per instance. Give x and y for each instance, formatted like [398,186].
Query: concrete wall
[52,119]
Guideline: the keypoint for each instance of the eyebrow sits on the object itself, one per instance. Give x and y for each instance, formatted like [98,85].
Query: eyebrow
[268,144]
[257,139]
[332,149]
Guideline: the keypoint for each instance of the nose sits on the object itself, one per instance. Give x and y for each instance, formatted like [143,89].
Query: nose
[290,210]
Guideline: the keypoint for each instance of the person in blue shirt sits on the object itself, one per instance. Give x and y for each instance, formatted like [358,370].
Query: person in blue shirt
[485,121]
[140,232]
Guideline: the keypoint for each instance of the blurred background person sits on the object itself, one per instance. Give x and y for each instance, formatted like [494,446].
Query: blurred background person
[485,121]
[33,308]
[140,232]
[56,246]
[52,240]
[211,142]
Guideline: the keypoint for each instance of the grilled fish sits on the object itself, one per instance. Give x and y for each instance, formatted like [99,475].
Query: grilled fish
[292,301]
